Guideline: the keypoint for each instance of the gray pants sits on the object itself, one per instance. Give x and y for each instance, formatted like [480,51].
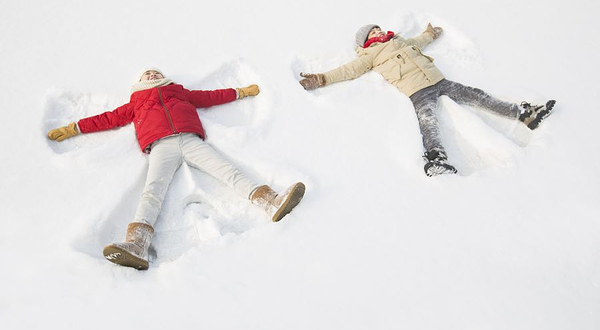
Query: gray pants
[426,100]
[165,158]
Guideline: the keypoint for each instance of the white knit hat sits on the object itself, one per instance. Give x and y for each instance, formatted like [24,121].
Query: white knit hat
[363,33]
[150,69]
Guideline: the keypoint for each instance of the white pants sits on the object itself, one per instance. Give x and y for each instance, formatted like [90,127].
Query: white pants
[165,158]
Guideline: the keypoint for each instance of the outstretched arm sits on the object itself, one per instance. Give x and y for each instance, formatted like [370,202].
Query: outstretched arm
[121,116]
[430,34]
[205,99]
[347,71]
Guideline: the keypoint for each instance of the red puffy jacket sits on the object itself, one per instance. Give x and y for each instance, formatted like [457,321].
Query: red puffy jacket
[159,112]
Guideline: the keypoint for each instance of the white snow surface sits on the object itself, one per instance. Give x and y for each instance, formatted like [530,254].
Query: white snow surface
[512,242]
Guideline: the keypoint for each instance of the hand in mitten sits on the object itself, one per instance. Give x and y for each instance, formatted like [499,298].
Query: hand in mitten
[251,90]
[62,133]
[312,81]
[434,31]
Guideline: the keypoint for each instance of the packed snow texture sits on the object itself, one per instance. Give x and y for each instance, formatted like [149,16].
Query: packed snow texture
[511,242]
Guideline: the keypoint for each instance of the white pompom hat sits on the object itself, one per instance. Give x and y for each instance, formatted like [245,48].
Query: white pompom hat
[150,69]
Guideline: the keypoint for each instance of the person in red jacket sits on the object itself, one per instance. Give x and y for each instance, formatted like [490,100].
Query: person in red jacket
[169,130]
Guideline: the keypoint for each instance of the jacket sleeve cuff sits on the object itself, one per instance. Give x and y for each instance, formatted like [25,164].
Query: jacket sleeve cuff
[428,37]
[328,78]
[77,126]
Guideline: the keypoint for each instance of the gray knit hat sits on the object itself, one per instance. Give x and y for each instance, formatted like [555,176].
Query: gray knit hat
[363,33]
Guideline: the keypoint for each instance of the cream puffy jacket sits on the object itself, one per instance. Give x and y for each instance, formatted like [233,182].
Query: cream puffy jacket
[400,61]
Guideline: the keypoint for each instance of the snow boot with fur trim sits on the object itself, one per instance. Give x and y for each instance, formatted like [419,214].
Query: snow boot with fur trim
[134,251]
[533,115]
[276,205]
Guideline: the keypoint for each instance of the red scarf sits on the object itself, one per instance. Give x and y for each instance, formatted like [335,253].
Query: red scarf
[385,38]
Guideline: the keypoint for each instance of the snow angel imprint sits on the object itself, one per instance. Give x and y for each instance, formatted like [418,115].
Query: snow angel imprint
[402,63]
[169,131]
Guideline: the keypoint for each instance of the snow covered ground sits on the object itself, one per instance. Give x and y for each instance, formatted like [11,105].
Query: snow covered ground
[513,242]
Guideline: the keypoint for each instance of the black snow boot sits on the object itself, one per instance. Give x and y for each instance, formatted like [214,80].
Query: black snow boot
[533,115]
[437,163]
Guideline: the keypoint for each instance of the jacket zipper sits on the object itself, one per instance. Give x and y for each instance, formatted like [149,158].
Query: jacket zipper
[166,111]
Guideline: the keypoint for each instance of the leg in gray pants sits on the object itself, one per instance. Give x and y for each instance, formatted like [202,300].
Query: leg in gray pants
[475,97]
[425,102]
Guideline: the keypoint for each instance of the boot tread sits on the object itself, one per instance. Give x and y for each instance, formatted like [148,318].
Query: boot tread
[122,257]
[292,199]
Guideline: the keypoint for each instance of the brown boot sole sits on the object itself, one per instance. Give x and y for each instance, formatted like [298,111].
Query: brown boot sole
[290,202]
[121,257]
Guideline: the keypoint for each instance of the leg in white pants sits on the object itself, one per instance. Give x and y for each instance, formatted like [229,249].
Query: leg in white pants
[165,158]
[202,156]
